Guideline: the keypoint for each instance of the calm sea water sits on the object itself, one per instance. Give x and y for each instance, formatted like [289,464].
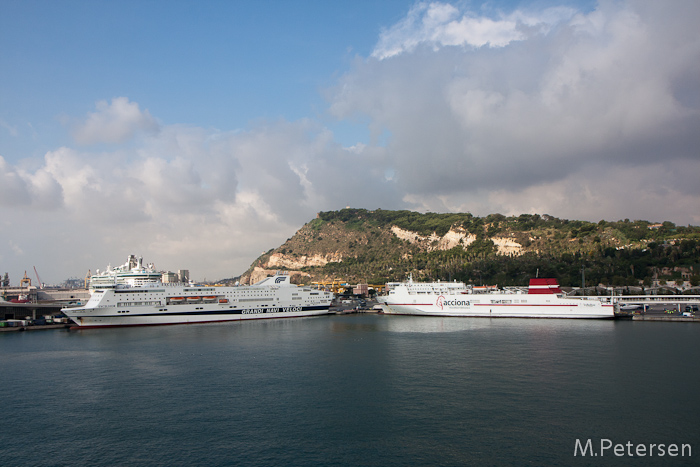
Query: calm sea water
[349,390]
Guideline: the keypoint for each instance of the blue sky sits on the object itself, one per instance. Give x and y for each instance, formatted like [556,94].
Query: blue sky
[199,134]
[216,64]
[212,64]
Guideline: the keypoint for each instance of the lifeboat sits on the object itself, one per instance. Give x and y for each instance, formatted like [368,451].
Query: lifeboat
[209,299]
[223,300]
[193,299]
[176,299]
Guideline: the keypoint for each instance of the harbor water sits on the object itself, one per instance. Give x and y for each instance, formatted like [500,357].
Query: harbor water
[358,389]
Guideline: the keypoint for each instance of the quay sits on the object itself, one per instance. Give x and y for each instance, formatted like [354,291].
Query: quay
[675,308]
[10,311]
[651,300]
[36,327]
[27,303]
[694,319]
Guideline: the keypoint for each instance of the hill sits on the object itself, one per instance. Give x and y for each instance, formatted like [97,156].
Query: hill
[379,246]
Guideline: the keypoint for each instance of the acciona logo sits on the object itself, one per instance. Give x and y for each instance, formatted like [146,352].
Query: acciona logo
[440,301]
[279,279]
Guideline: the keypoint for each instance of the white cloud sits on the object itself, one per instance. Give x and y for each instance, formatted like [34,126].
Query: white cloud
[13,189]
[186,197]
[655,192]
[24,189]
[438,25]
[565,98]
[114,122]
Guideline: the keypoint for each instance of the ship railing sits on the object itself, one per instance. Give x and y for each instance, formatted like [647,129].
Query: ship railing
[145,285]
[595,298]
[515,290]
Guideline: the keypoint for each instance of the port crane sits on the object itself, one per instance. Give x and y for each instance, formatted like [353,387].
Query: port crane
[41,284]
[25,281]
[339,286]
[335,286]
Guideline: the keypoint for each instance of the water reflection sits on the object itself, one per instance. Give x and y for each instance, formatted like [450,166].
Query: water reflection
[434,324]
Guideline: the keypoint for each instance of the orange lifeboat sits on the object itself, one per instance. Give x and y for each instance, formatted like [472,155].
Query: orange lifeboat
[223,300]
[176,299]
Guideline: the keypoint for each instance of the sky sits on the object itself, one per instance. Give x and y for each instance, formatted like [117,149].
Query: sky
[201,134]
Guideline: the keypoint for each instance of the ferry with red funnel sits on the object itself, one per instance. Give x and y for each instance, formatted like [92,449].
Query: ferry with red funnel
[543,299]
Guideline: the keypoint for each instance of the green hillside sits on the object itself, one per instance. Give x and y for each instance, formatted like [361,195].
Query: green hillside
[378,246]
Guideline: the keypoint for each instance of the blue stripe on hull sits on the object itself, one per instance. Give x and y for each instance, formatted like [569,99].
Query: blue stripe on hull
[216,316]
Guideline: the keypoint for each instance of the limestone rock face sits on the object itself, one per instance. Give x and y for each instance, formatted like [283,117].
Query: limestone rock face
[507,246]
[454,237]
[283,261]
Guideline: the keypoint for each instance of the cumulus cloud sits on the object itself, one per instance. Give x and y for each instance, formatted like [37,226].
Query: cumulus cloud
[114,122]
[187,197]
[561,97]
[26,189]
[13,189]
[438,24]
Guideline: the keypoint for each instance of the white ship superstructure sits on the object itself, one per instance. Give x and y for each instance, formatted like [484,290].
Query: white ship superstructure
[132,273]
[543,299]
[154,303]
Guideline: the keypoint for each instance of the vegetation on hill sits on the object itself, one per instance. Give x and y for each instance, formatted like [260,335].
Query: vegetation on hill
[381,246]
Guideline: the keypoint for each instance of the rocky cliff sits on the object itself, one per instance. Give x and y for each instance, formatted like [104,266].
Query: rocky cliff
[377,246]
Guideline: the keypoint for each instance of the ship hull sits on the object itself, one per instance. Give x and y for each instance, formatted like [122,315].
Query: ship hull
[85,320]
[577,311]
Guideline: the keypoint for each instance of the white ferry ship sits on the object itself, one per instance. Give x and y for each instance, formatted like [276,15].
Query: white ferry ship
[543,299]
[154,303]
